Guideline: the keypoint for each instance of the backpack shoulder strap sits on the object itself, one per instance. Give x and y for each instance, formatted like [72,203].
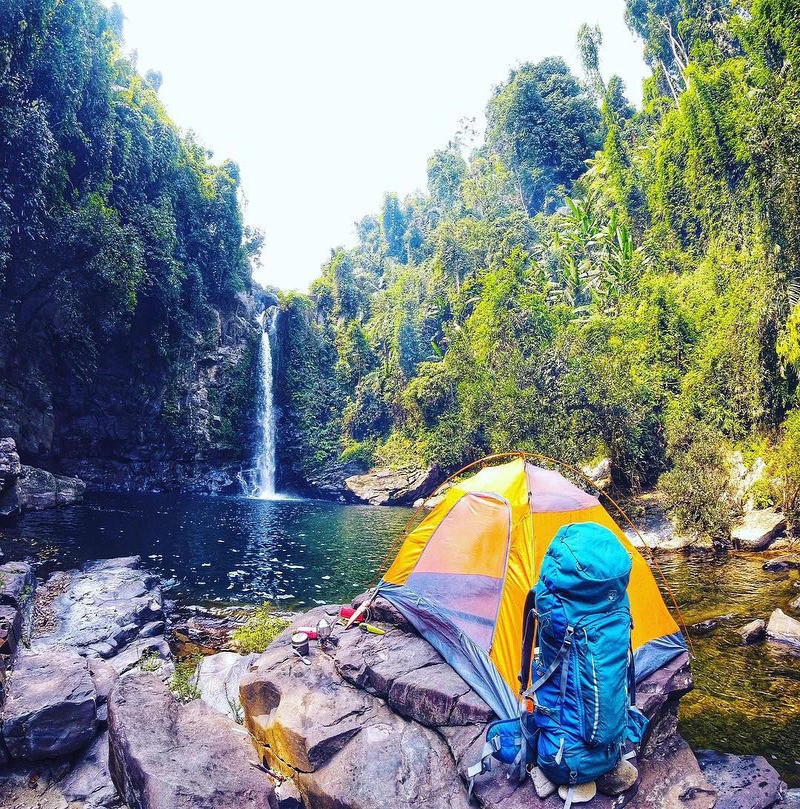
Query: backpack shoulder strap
[529,617]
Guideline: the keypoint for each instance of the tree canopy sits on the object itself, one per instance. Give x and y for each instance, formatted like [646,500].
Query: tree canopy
[592,279]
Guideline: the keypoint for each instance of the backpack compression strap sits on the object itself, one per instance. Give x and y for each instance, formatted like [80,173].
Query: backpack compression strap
[484,765]
[529,616]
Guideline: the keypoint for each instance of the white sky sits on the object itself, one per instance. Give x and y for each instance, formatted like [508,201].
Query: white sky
[327,105]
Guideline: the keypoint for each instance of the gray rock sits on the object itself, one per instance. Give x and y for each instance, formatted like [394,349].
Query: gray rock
[791,800]
[104,675]
[152,629]
[783,629]
[10,467]
[17,584]
[656,529]
[392,487]
[50,708]
[9,472]
[754,631]
[145,654]
[743,782]
[288,795]
[302,713]
[393,763]
[164,755]
[89,782]
[601,471]
[794,604]
[709,625]
[218,678]
[333,728]
[374,662]
[779,563]
[101,611]
[758,529]
[428,695]
[37,489]
[669,683]
[671,778]
[10,629]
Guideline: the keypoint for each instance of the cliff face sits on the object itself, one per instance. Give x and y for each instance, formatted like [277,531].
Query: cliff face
[140,424]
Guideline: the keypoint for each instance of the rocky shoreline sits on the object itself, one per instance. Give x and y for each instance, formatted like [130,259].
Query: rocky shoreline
[26,488]
[88,719]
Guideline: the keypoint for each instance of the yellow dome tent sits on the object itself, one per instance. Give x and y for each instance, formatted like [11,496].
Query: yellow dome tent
[462,574]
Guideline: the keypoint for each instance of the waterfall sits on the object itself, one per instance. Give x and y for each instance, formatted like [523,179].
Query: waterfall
[264,483]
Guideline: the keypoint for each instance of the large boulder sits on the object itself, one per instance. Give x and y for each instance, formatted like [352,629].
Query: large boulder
[783,629]
[655,529]
[383,487]
[218,677]
[758,529]
[10,466]
[39,489]
[790,561]
[50,708]
[374,721]
[743,782]
[164,755]
[10,469]
[17,583]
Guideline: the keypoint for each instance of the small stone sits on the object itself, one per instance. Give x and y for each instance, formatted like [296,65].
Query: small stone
[753,632]
[794,605]
[619,780]
[783,629]
[709,625]
[779,563]
[542,784]
[583,792]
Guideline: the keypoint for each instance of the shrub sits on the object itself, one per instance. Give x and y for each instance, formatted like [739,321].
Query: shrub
[184,680]
[359,452]
[785,467]
[260,629]
[698,487]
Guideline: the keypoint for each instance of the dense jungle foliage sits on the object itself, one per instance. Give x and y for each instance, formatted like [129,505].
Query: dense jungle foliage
[120,240]
[593,280]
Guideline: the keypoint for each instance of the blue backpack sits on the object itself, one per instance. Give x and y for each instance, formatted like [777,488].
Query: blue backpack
[577,685]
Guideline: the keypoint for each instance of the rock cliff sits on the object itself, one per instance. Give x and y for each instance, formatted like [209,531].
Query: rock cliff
[141,423]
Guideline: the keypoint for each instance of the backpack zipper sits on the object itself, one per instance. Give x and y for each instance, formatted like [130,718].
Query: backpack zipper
[595,688]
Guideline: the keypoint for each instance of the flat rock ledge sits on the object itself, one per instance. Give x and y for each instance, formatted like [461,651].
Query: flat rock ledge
[27,488]
[379,721]
[83,631]
[391,487]
[164,755]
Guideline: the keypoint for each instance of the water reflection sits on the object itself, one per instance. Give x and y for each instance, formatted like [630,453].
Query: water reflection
[233,550]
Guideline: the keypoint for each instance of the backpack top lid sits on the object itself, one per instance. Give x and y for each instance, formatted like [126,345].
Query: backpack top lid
[587,563]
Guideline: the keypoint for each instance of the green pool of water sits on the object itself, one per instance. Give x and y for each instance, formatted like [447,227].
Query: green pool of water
[299,553]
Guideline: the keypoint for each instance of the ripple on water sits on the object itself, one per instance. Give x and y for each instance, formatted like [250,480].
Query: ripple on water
[746,699]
